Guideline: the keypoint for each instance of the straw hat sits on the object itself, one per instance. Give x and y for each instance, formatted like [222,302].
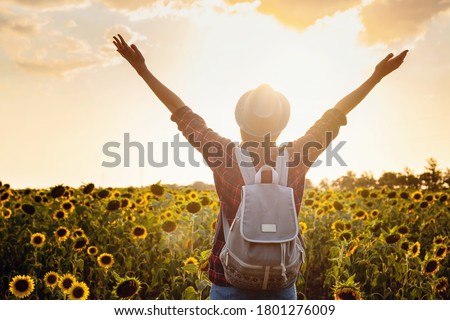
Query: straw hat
[262,111]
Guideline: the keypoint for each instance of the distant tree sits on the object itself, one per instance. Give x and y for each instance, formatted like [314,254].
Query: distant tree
[324,184]
[446,179]
[432,178]
[389,179]
[408,179]
[308,184]
[366,180]
[346,182]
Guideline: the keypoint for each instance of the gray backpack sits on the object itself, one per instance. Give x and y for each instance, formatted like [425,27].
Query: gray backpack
[262,248]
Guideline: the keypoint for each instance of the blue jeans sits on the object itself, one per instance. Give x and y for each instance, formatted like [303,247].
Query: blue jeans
[233,293]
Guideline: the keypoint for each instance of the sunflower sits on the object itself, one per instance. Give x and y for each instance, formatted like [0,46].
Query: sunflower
[416,195]
[80,243]
[66,281]
[440,251]
[21,286]
[439,239]
[212,226]
[127,288]
[338,226]
[191,260]
[28,209]
[205,201]
[102,194]
[424,204]
[62,234]
[87,189]
[78,291]
[374,213]
[404,195]
[214,207]
[345,235]
[67,206]
[193,195]
[6,213]
[105,260]
[157,190]
[60,214]
[441,285]
[338,206]
[139,232]
[37,240]
[130,218]
[403,230]
[405,245]
[57,191]
[443,198]
[393,238]
[113,205]
[92,250]
[360,215]
[352,248]
[167,215]
[302,227]
[430,267]
[78,233]
[364,193]
[193,206]
[169,226]
[414,250]
[51,279]
[347,293]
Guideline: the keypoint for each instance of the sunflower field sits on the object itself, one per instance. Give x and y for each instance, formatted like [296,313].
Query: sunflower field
[154,242]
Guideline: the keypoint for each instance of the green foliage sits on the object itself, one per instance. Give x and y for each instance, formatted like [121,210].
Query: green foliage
[364,243]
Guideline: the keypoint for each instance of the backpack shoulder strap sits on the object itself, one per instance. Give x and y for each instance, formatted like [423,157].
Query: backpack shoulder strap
[282,168]
[245,163]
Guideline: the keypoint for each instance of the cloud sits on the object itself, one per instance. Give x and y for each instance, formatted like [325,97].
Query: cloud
[301,14]
[51,4]
[128,5]
[36,49]
[56,67]
[20,24]
[388,21]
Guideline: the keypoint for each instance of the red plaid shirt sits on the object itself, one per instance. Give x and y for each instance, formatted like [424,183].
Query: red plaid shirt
[218,153]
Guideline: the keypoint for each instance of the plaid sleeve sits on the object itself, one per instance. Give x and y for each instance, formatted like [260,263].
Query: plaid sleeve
[319,136]
[215,149]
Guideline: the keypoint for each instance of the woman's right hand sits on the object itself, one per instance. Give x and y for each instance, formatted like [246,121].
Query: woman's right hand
[130,53]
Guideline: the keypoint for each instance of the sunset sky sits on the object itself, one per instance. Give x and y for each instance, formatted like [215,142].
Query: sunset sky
[65,91]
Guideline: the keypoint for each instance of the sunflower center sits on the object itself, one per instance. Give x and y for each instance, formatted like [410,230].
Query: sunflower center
[67,283]
[138,231]
[51,279]
[61,232]
[127,288]
[78,292]
[37,240]
[22,285]
[440,252]
[431,266]
[106,259]
[80,243]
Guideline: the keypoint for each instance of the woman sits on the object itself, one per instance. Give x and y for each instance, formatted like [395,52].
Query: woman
[261,114]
